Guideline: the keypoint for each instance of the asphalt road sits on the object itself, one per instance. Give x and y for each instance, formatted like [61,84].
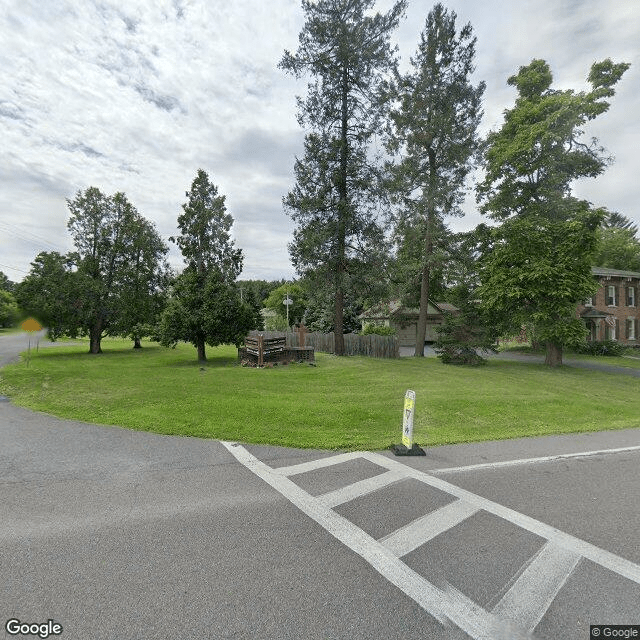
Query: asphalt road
[120,535]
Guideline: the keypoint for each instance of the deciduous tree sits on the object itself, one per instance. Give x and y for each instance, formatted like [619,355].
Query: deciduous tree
[617,248]
[5,283]
[539,268]
[296,294]
[111,238]
[8,309]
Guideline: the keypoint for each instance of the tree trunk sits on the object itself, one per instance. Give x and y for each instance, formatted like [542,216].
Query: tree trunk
[343,201]
[95,336]
[136,343]
[200,345]
[553,357]
[338,330]
[421,329]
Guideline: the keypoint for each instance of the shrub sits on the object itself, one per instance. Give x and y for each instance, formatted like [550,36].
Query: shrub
[453,354]
[378,330]
[602,348]
[462,337]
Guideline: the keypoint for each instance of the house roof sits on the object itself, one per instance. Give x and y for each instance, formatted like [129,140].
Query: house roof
[594,313]
[394,308]
[605,271]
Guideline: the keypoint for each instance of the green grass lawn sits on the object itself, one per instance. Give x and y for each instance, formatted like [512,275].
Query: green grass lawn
[342,403]
[631,361]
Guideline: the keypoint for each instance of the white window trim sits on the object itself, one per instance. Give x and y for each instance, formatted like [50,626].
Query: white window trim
[631,322]
[633,298]
[610,286]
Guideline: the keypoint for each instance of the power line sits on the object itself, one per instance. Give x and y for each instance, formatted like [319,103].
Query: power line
[6,266]
[23,234]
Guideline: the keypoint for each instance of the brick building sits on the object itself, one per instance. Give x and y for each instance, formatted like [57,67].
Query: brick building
[614,311]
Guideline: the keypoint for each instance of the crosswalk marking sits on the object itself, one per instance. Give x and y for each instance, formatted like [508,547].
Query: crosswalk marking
[604,558]
[443,605]
[303,467]
[361,488]
[525,602]
[532,593]
[404,540]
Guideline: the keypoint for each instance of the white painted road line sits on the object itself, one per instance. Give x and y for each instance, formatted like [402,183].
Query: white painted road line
[416,533]
[533,592]
[602,557]
[361,488]
[443,605]
[303,467]
[511,463]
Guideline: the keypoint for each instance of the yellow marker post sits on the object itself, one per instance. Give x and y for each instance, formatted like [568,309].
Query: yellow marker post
[407,419]
[408,446]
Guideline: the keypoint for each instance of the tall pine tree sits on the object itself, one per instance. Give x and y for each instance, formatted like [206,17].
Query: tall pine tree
[433,132]
[346,51]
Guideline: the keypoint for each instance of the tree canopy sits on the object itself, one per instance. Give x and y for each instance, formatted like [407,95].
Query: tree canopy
[5,283]
[205,306]
[298,296]
[434,132]
[617,248]
[111,284]
[8,309]
[111,240]
[51,292]
[539,267]
[337,241]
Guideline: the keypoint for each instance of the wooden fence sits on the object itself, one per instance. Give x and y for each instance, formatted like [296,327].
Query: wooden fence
[371,345]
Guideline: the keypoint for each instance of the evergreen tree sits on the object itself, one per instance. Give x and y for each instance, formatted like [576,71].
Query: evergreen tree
[434,132]
[206,306]
[334,202]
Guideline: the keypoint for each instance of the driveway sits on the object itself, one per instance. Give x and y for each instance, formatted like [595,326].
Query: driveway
[118,534]
[406,352]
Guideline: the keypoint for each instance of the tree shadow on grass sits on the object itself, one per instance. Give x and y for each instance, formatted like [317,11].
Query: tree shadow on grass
[213,362]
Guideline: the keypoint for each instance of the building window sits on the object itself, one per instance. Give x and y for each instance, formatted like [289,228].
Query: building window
[631,297]
[631,329]
[610,329]
[610,295]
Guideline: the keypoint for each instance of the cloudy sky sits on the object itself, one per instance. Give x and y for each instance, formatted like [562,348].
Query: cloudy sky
[137,96]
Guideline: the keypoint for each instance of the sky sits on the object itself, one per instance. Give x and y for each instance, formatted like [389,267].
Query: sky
[137,96]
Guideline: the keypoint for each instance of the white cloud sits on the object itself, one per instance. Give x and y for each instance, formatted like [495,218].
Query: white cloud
[136,97]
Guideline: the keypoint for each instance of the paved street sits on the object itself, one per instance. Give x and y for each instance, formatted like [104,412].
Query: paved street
[116,534]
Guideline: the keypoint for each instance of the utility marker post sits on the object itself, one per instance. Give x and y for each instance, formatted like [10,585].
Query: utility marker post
[408,446]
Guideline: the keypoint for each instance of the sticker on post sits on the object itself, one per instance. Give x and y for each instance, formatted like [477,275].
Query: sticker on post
[407,419]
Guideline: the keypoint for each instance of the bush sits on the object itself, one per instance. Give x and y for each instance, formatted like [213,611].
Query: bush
[378,330]
[602,348]
[452,354]
[461,337]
